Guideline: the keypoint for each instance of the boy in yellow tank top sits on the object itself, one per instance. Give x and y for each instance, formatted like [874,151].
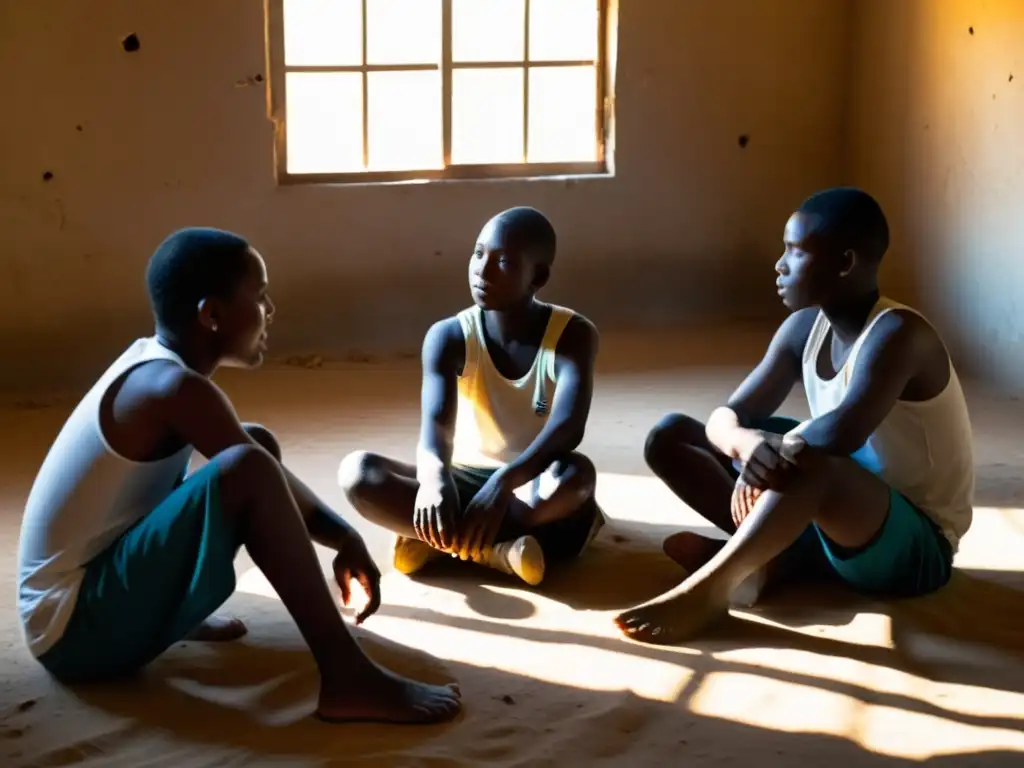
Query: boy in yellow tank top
[874,490]
[507,387]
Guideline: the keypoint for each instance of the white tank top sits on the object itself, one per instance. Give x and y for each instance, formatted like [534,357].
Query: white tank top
[924,450]
[84,497]
[498,418]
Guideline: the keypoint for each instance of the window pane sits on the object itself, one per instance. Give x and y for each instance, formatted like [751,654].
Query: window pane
[487,115]
[488,30]
[323,33]
[563,114]
[563,30]
[325,121]
[405,120]
[403,31]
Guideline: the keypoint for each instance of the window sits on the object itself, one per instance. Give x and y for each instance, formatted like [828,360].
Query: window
[394,90]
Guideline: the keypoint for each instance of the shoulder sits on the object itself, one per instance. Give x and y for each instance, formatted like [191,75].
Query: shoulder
[444,345]
[579,341]
[904,333]
[795,330]
[177,387]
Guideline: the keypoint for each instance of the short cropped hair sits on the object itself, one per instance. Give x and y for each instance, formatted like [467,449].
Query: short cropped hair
[530,229]
[850,218]
[191,265]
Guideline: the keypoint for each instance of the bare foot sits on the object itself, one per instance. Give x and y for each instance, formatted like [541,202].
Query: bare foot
[679,614]
[384,697]
[691,550]
[218,629]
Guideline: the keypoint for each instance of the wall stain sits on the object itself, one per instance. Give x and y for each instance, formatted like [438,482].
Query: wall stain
[131,43]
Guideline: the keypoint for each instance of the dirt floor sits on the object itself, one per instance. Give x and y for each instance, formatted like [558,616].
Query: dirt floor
[809,678]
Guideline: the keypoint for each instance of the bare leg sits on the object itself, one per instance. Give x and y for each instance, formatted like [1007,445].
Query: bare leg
[557,494]
[678,452]
[220,628]
[256,499]
[847,502]
[384,492]
[380,489]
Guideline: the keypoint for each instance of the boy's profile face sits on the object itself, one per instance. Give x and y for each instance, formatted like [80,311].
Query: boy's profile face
[809,272]
[502,274]
[242,318]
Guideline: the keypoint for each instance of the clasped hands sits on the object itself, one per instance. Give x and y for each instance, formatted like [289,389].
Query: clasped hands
[471,534]
[770,462]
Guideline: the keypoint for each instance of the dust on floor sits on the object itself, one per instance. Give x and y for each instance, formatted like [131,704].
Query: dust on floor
[810,678]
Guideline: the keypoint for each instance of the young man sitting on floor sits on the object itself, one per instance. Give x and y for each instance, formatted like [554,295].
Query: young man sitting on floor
[876,487]
[506,392]
[123,552]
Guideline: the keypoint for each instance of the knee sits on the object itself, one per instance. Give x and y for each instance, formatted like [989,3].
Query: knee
[582,469]
[672,431]
[265,438]
[244,469]
[359,471]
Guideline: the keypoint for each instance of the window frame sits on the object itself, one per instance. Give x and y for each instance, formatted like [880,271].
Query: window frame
[603,117]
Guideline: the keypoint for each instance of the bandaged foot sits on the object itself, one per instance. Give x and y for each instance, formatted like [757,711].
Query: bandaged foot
[521,557]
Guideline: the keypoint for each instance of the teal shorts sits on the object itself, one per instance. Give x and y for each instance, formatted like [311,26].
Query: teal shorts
[909,556]
[151,587]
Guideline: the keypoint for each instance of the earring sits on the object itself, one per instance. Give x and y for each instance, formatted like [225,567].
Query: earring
[213,327]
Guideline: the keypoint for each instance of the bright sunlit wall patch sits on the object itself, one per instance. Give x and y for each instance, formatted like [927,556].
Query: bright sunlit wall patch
[400,90]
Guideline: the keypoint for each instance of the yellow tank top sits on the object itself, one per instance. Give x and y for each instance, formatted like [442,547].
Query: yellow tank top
[497,417]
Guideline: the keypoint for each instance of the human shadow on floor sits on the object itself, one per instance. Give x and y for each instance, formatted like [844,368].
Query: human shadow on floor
[249,702]
[969,632]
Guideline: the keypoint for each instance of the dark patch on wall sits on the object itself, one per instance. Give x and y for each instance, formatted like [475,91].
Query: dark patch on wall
[47,176]
[80,129]
[1011,78]
[131,43]
[743,141]
[970,30]
[249,80]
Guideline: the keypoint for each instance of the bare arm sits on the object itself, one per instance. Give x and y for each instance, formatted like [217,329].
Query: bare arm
[567,424]
[444,353]
[892,355]
[764,390]
[201,415]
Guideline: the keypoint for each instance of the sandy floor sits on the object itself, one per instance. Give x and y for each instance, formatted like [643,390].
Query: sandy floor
[813,677]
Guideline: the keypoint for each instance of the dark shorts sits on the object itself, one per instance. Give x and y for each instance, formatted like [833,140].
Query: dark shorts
[562,540]
[909,555]
[150,588]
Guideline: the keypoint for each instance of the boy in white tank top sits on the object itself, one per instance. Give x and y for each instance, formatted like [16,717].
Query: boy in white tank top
[123,552]
[507,386]
[875,489]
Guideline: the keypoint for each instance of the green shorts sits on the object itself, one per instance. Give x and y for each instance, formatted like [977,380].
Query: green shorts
[151,587]
[909,556]
[560,541]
